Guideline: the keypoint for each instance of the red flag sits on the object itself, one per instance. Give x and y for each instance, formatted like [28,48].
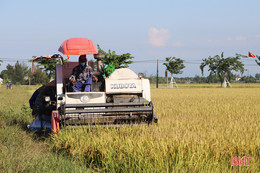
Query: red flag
[251,55]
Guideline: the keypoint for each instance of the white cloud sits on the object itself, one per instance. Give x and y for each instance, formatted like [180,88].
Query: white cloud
[158,37]
[229,38]
[177,44]
[240,38]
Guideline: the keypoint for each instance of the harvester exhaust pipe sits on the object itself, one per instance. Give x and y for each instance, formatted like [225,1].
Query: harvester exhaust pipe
[99,57]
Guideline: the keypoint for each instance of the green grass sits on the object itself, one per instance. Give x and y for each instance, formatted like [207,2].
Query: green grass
[21,150]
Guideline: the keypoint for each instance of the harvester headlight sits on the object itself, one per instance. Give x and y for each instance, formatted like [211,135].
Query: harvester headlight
[84,99]
[47,98]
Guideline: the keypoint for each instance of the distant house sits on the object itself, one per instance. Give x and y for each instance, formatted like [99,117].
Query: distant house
[238,78]
[188,81]
[1,81]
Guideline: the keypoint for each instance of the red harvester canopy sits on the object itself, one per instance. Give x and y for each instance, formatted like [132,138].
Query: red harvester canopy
[78,46]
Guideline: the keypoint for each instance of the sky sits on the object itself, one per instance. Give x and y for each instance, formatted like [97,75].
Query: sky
[148,29]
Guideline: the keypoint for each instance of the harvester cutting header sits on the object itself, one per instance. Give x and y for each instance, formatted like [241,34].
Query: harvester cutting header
[85,93]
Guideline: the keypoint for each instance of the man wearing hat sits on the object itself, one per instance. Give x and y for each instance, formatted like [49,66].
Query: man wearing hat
[82,75]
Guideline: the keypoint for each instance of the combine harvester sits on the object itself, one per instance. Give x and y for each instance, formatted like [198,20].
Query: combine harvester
[121,99]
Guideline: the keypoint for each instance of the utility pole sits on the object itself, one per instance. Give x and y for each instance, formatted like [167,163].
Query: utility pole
[166,75]
[157,73]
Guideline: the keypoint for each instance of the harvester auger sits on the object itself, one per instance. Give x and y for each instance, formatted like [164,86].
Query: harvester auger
[121,99]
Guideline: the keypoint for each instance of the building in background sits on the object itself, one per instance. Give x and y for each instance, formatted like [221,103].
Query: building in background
[238,78]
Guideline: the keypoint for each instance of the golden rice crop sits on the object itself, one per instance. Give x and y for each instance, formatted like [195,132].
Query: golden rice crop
[199,130]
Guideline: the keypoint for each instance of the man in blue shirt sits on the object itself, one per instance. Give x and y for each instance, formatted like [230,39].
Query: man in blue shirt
[9,85]
[82,75]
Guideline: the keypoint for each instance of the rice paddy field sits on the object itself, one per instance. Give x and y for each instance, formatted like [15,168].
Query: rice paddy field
[201,128]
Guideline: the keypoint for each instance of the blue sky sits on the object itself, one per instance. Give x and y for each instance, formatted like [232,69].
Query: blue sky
[149,30]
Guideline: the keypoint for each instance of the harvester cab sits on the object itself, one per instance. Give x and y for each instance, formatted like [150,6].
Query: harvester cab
[123,98]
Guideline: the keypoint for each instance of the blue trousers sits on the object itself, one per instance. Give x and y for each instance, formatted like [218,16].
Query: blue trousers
[87,85]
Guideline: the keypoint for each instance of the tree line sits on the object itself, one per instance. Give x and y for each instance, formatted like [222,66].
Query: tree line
[21,74]
[218,67]
[202,79]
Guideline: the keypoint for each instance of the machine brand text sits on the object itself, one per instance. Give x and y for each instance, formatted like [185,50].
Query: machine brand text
[122,85]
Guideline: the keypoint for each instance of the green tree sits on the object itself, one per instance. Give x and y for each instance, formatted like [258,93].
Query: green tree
[198,79]
[0,62]
[48,66]
[20,71]
[4,76]
[9,71]
[174,65]
[7,74]
[153,79]
[38,77]
[257,60]
[249,79]
[222,67]
[257,76]
[118,61]
[15,73]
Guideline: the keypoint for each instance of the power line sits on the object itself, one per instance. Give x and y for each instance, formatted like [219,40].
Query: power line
[194,62]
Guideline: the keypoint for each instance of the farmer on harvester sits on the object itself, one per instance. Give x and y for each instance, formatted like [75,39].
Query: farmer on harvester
[82,75]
